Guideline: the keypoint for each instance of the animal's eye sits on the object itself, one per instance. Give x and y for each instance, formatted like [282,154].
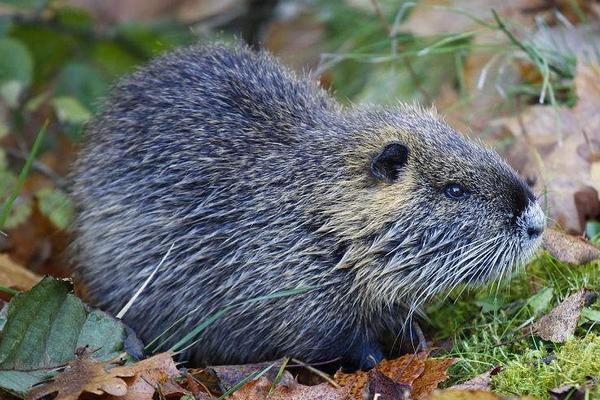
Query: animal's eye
[456,191]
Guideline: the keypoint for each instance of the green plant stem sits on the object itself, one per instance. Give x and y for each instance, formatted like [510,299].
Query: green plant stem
[9,291]
[527,49]
[23,175]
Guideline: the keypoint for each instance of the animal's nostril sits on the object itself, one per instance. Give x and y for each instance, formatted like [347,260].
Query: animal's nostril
[534,231]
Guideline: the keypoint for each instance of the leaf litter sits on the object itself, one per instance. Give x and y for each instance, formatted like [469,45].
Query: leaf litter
[559,324]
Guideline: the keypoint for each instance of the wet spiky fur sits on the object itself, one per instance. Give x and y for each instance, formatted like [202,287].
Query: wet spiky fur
[262,183]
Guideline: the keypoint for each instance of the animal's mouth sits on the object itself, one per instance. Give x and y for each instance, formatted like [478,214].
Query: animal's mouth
[509,255]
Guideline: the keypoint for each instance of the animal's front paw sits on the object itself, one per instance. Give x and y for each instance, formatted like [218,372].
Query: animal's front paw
[365,357]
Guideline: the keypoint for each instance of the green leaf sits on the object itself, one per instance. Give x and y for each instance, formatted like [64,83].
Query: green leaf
[16,62]
[152,39]
[34,103]
[113,59]
[591,314]
[540,302]
[44,327]
[75,19]
[49,48]
[69,110]
[56,205]
[490,304]
[83,82]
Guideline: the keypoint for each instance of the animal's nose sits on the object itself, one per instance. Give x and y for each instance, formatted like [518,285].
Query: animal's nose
[534,231]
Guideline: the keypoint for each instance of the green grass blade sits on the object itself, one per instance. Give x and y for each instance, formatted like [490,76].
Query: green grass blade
[23,175]
[181,344]
[251,377]
[194,332]
[7,290]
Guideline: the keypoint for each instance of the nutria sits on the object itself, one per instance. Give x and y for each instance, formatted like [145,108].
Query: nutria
[260,182]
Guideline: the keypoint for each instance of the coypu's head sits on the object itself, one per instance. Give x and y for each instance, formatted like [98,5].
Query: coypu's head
[430,210]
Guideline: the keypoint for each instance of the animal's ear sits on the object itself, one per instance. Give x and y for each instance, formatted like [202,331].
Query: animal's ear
[387,164]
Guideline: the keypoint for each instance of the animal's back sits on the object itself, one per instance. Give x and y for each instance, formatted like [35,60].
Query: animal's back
[201,150]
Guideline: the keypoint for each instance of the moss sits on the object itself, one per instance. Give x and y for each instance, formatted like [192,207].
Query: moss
[484,325]
[572,364]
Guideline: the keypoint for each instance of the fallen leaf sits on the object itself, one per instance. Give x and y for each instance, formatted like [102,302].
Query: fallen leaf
[435,372]
[44,328]
[259,390]
[230,375]
[382,387]
[416,371]
[150,375]
[482,382]
[137,381]
[559,325]
[198,391]
[569,249]
[14,276]
[83,375]
[403,370]
[571,392]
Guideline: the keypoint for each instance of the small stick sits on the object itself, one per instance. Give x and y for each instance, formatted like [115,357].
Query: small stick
[319,373]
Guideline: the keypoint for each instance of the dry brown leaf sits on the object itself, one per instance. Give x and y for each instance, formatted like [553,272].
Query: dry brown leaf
[569,249]
[559,324]
[83,375]
[38,243]
[380,386]
[571,392]
[403,370]
[138,381]
[230,375]
[356,382]
[558,146]
[259,390]
[149,375]
[482,382]
[419,373]
[435,372]
[14,276]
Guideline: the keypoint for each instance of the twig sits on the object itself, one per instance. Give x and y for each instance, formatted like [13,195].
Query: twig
[318,372]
